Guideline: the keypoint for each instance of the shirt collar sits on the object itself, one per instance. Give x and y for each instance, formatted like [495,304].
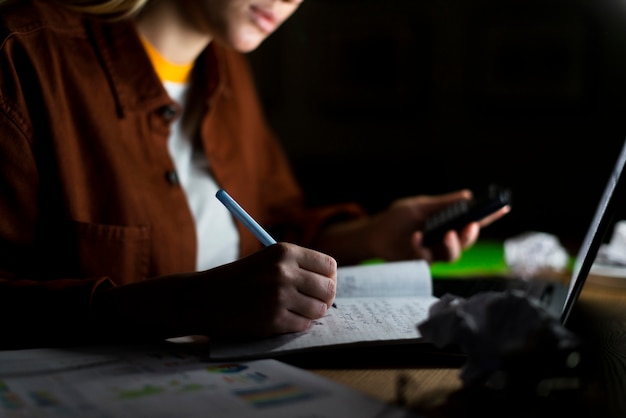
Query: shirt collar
[133,79]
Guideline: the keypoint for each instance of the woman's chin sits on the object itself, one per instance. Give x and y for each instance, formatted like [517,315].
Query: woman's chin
[247,41]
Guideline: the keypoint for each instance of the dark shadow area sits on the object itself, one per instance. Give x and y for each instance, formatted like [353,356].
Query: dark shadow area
[377,99]
[373,356]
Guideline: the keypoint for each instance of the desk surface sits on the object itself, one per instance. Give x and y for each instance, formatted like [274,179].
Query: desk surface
[431,386]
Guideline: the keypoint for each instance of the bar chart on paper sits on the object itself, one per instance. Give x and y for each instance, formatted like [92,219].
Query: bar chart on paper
[113,383]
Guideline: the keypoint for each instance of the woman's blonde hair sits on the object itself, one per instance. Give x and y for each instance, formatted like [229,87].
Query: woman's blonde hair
[116,9]
[110,8]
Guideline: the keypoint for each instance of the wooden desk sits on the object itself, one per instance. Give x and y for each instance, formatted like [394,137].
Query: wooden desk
[433,388]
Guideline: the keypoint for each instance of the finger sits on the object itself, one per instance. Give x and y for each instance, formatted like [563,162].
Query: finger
[309,307]
[469,235]
[494,216]
[317,287]
[448,249]
[419,250]
[452,242]
[318,276]
[434,203]
[318,262]
[454,196]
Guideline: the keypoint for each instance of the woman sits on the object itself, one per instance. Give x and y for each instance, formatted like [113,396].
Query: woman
[119,120]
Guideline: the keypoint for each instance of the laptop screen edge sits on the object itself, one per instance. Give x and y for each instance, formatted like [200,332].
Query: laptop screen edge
[599,226]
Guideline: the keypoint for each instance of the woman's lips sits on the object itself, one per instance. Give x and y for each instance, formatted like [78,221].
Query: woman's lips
[263,18]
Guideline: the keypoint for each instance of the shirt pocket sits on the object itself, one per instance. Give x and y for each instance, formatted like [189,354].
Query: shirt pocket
[121,253]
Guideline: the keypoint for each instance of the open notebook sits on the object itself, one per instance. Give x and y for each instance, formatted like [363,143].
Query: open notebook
[381,305]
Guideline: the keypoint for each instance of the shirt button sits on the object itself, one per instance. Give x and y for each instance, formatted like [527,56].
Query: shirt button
[172,177]
[169,112]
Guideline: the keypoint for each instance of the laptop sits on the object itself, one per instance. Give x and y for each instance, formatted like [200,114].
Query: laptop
[557,297]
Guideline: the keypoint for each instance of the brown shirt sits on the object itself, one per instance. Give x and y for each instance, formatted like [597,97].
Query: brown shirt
[88,193]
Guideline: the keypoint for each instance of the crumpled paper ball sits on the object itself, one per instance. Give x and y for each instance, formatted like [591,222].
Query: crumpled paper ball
[613,253]
[505,335]
[532,252]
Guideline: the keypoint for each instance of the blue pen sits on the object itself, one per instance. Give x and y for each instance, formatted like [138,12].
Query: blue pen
[245,218]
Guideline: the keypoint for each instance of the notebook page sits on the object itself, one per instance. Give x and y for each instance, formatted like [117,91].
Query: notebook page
[355,321]
[401,278]
[379,303]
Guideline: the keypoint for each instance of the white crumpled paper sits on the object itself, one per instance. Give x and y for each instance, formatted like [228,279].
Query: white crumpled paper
[614,252]
[531,253]
[502,334]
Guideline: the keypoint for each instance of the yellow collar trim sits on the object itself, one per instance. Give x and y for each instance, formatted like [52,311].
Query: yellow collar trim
[166,70]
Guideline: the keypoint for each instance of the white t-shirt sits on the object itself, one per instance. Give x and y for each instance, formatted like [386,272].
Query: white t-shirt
[217,236]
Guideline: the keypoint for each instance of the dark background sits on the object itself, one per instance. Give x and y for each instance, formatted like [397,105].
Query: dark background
[379,99]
